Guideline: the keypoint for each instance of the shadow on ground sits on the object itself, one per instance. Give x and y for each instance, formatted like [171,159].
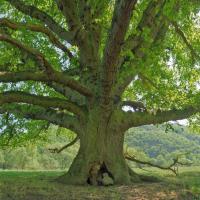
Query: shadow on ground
[41,186]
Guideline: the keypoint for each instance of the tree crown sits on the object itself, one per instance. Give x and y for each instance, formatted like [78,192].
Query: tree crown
[59,59]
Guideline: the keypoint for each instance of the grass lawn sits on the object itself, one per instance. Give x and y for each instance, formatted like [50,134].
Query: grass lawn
[41,185]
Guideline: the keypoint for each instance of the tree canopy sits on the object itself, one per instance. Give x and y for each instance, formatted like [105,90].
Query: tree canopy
[51,55]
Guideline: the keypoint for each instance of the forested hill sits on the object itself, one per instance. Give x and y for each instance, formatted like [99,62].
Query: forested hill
[149,142]
[161,143]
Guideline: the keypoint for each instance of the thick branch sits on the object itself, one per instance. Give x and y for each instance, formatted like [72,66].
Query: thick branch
[46,102]
[134,119]
[71,83]
[120,22]
[58,77]
[52,74]
[85,32]
[58,150]
[69,10]
[153,21]
[34,12]
[13,77]
[38,56]
[58,88]
[36,28]
[73,96]
[38,113]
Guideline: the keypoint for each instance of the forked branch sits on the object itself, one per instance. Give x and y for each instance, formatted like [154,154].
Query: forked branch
[51,73]
[36,13]
[44,64]
[120,22]
[46,102]
[36,28]
[153,21]
[69,10]
[58,77]
[38,113]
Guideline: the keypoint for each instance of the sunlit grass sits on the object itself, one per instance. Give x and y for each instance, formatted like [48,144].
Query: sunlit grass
[42,185]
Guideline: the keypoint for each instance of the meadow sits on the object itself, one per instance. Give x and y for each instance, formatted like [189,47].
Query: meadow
[42,185]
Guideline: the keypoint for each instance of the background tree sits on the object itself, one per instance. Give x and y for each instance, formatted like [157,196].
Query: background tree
[79,64]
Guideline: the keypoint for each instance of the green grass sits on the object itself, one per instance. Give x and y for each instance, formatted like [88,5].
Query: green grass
[41,185]
[188,178]
[12,174]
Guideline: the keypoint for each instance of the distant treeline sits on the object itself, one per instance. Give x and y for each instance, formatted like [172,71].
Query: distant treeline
[151,143]
[162,143]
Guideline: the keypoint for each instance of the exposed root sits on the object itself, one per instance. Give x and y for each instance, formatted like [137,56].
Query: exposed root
[151,179]
[135,178]
[69,179]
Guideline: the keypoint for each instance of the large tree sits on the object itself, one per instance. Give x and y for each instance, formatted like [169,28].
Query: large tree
[98,68]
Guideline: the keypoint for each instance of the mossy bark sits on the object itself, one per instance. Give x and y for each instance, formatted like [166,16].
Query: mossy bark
[101,151]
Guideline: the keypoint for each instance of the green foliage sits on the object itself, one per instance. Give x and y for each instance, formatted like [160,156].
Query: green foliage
[170,72]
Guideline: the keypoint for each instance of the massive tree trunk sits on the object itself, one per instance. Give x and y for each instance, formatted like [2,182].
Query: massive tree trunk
[101,151]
